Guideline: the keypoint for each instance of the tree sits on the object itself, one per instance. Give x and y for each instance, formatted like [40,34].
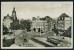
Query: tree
[25,24]
[28,25]
[15,25]
[5,30]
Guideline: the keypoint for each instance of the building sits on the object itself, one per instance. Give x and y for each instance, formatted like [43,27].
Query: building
[63,22]
[7,20]
[42,24]
[39,25]
[51,24]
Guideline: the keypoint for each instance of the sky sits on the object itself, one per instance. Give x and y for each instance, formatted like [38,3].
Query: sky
[27,10]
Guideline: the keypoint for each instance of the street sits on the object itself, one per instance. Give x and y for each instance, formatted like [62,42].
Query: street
[29,39]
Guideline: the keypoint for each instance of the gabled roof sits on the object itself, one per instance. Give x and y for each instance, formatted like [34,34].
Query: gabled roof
[63,15]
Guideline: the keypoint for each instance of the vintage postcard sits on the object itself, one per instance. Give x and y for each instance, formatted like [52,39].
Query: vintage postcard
[39,25]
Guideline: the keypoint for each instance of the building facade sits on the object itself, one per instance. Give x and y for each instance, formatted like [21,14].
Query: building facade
[7,20]
[42,24]
[51,24]
[63,22]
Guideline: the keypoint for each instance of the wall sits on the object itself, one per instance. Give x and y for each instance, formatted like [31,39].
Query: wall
[67,23]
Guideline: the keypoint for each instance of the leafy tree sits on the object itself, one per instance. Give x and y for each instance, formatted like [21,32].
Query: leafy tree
[15,25]
[25,24]
[5,30]
[22,24]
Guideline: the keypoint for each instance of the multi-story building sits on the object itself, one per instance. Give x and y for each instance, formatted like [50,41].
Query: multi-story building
[7,20]
[42,24]
[63,22]
[51,24]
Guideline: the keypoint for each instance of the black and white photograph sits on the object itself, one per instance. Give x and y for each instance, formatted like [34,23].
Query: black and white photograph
[47,25]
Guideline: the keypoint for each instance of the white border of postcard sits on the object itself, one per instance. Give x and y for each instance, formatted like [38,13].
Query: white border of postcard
[39,47]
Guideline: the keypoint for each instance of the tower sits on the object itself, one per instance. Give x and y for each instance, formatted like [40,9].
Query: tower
[14,14]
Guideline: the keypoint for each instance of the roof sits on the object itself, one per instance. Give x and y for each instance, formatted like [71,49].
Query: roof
[63,15]
[45,18]
[8,16]
[5,17]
